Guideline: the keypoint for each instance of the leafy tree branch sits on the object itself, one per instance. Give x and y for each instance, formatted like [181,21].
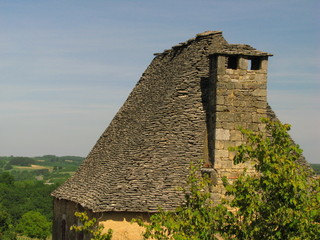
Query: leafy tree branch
[91,227]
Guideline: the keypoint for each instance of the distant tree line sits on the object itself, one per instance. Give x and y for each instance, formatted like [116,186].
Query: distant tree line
[53,158]
[22,161]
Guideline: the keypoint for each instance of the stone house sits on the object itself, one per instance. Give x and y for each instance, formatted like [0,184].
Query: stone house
[187,106]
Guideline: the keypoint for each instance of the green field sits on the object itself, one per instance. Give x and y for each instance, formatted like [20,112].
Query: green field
[48,168]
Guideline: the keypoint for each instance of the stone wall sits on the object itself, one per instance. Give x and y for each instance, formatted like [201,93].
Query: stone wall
[63,219]
[239,100]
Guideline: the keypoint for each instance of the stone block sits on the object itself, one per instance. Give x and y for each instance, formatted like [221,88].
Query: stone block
[256,117]
[261,77]
[226,144]
[222,134]
[243,63]
[235,77]
[229,71]
[222,92]
[228,164]
[217,164]
[240,103]
[243,117]
[264,65]
[231,155]
[260,92]
[252,76]
[222,108]
[242,72]
[235,135]
[262,127]
[221,153]
[220,100]
[220,144]
[260,104]
[225,116]
[262,111]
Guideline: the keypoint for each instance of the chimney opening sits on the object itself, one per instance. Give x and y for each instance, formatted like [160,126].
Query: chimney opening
[233,62]
[254,63]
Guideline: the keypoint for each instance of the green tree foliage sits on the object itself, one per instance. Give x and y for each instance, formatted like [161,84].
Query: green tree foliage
[6,178]
[91,227]
[33,224]
[20,192]
[6,227]
[19,197]
[2,163]
[5,220]
[25,196]
[8,166]
[280,201]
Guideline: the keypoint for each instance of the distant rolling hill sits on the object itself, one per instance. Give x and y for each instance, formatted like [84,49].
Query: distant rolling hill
[49,168]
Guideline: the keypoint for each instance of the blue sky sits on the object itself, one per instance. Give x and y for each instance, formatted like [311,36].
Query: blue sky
[67,66]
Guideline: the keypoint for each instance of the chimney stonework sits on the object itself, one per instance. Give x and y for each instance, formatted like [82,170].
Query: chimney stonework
[238,100]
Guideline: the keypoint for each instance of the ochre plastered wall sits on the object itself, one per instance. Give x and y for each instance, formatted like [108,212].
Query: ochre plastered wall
[119,222]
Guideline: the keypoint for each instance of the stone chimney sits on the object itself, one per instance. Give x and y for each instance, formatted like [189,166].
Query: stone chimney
[237,98]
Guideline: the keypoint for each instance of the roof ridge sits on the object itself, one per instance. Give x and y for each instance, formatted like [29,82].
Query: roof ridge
[189,41]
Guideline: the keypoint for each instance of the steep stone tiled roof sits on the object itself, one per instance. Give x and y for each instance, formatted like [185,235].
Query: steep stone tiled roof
[302,160]
[143,156]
